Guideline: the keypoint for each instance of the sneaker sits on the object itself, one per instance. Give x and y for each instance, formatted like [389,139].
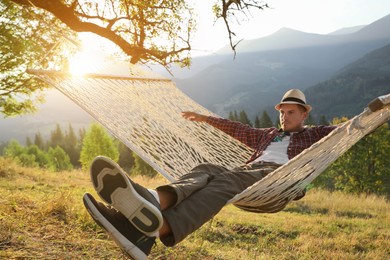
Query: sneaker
[135,202]
[132,242]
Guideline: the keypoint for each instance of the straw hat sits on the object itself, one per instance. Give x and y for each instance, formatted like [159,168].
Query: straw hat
[294,96]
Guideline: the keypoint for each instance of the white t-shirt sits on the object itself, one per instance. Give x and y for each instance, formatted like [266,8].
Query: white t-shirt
[276,152]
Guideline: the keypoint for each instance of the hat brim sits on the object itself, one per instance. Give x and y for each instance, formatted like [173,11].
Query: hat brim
[307,107]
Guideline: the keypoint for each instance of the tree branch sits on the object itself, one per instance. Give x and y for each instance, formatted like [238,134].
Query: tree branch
[67,15]
[133,25]
[229,9]
[72,14]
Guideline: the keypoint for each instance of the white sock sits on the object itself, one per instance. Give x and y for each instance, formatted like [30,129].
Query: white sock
[155,195]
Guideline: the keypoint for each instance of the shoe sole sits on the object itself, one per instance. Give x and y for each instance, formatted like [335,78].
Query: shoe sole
[125,245]
[114,187]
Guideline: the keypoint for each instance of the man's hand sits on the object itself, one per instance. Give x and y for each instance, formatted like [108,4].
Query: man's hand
[192,116]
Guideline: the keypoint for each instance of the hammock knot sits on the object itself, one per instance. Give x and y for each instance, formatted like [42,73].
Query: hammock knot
[356,123]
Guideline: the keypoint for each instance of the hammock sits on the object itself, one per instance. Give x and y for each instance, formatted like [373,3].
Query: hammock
[145,114]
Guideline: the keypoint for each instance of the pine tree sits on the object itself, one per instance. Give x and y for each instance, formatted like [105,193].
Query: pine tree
[82,132]
[243,118]
[57,137]
[231,116]
[265,120]
[70,136]
[71,146]
[257,122]
[235,116]
[38,141]
[28,141]
[310,120]
[323,121]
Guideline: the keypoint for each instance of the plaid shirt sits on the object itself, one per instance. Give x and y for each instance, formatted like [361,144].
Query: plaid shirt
[259,138]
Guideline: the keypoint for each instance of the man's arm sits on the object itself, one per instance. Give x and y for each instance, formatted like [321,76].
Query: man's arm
[192,116]
[244,133]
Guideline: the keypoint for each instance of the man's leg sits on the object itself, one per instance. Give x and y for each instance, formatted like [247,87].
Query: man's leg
[199,177]
[136,202]
[188,203]
[195,206]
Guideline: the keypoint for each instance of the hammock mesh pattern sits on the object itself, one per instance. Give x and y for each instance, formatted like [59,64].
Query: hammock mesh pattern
[145,114]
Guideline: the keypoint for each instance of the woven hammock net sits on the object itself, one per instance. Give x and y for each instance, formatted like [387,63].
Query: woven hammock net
[145,114]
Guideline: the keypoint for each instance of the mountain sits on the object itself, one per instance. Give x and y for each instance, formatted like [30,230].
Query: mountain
[287,38]
[265,68]
[353,87]
[378,30]
[347,30]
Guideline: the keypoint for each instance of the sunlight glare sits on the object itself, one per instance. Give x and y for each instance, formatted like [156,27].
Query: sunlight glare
[85,62]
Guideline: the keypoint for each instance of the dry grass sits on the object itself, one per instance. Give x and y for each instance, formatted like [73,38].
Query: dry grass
[42,217]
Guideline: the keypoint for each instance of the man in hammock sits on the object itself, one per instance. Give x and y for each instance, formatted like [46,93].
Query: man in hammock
[172,212]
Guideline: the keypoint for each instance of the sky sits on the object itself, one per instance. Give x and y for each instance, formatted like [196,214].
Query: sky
[312,16]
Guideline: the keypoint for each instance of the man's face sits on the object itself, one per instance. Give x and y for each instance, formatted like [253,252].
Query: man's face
[292,117]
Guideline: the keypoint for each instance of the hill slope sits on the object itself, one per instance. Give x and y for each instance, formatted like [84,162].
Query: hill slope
[42,217]
[347,93]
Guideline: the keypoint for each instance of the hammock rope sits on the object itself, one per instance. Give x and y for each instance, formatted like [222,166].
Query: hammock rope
[145,114]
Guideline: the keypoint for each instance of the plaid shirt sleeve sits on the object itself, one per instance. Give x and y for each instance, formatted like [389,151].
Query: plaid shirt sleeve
[244,133]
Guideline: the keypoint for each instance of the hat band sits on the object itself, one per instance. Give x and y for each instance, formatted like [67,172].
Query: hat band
[294,99]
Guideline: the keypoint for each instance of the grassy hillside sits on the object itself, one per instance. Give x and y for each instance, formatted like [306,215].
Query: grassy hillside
[42,217]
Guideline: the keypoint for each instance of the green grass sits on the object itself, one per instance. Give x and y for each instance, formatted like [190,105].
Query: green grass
[42,217]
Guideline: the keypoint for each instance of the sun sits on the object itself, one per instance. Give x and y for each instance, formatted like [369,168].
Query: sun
[92,55]
[84,62]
